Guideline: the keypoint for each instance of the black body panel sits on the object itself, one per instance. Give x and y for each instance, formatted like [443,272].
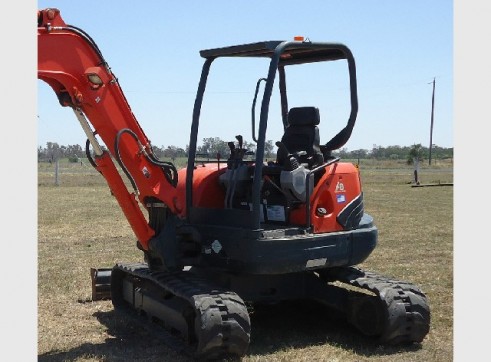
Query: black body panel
[278,251]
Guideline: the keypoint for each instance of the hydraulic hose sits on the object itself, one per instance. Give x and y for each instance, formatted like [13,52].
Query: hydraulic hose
[89,156]
[168,168]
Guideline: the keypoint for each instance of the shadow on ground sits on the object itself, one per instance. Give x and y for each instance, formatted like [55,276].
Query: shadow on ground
[274,327]
[303,324]
[130,338]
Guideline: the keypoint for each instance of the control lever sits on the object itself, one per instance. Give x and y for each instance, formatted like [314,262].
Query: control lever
[291,163]
[240,140]
[282,147]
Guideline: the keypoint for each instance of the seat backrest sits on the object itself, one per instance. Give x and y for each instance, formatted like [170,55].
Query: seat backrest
[302,134]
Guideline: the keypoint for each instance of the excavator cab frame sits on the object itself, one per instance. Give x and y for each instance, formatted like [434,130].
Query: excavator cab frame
[282,54]
[314,230]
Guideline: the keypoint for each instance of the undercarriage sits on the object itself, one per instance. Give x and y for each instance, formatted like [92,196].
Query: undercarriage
[209,312]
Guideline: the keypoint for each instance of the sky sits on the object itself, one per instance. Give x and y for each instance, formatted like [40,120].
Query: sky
[400,47]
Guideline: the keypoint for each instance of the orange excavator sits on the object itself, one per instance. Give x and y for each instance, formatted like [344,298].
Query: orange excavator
[222,235]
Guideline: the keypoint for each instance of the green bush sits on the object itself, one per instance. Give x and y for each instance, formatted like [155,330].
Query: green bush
[73,159]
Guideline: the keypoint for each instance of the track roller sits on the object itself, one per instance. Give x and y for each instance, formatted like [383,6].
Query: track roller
[393,311]
[213,323]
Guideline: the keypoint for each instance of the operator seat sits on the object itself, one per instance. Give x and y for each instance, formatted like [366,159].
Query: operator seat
[301,138]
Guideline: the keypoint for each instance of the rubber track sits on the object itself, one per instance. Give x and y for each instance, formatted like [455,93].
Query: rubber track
[407,314]
[224,324]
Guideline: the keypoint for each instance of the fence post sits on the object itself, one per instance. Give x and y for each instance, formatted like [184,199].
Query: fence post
[57,166]
[416,170]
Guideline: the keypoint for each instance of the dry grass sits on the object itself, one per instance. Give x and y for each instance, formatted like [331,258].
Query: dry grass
[81,226]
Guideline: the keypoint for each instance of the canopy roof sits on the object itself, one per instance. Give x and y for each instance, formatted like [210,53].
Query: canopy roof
[295,52]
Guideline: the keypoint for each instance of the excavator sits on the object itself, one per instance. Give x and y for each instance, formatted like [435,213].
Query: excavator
[223,235]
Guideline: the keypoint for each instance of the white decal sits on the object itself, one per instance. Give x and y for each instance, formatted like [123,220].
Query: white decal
[315,262]
[275,212]
[339,187]
[216,246]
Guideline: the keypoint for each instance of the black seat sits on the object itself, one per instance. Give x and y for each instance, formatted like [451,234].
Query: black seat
[301,138]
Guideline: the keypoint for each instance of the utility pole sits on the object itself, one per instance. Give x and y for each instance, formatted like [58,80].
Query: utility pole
[432,112]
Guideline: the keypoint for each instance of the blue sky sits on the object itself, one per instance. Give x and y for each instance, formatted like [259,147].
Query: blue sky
[399,47]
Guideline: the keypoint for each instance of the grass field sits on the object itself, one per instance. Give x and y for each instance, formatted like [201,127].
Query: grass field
[81,226]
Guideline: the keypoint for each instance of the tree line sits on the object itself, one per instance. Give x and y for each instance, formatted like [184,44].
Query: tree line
[212,146]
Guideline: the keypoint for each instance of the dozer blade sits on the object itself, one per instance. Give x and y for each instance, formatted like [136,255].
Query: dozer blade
[101,283]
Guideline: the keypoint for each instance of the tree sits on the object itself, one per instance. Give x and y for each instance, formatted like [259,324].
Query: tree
[212,146]
[268,149]
[378,152]
[415,154]
[343,153]
[53,151]
[173,152]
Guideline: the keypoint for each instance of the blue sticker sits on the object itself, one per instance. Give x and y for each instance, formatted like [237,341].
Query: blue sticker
[341,198]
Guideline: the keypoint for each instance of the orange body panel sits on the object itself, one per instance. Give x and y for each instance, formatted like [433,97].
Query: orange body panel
[207,191]
[337,188]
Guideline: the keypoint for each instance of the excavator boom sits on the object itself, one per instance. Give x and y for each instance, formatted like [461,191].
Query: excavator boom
[72,64]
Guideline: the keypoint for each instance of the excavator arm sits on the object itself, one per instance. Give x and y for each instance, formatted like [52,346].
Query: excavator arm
[72,64]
